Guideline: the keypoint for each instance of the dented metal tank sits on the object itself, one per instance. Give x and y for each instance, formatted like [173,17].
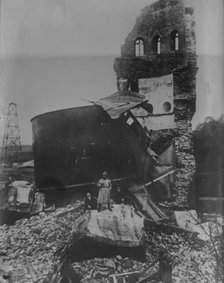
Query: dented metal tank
[72,147]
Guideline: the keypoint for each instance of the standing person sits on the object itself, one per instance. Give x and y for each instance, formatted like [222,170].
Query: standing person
[118,196]
[104,186]
[89,203]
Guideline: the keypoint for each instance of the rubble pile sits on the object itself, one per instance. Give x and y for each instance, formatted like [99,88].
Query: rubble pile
[30,248]
[185,162]
[192,259]
[97,270]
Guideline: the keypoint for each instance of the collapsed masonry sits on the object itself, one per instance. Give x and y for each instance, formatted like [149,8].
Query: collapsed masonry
[50,246]
[161,42]
[37,249]
[108,233]
[31,247]
[157,54]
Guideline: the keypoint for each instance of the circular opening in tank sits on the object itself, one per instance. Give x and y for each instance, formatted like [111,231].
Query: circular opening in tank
[166,106]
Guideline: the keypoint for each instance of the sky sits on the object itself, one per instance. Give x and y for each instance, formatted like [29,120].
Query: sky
[67,27]
[209,15]
[59,53]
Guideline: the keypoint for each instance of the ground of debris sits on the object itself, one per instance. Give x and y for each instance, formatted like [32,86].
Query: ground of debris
[30,249]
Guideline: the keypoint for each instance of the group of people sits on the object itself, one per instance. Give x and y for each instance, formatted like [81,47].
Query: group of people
[104,195]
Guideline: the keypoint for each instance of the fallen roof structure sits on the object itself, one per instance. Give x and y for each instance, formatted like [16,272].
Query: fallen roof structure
[119,227]
[143,201]
[158,144]
[120,102]
[117,231]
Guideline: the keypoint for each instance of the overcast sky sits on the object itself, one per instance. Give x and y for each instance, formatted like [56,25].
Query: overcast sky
[67,27]
[59,53]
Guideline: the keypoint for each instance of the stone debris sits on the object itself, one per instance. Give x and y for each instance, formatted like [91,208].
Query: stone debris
[121,226]
[188,255]
[190,258]
[185,162]
[92,270]
[30,249]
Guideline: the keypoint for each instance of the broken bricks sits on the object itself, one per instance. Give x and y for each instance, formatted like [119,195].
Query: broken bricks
[29,247]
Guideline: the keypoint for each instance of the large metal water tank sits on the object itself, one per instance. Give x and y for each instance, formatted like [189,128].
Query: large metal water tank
[74,146]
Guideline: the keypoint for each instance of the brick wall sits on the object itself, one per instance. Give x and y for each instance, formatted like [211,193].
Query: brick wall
[161,19]
[154,21]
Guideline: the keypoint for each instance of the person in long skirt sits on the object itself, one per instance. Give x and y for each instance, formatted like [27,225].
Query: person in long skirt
[105,187]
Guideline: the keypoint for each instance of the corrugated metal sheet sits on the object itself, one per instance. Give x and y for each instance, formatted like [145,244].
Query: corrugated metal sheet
[120,102]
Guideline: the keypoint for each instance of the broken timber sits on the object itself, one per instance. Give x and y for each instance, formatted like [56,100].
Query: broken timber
[143,201]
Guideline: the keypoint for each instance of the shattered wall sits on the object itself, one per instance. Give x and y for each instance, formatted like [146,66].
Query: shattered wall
[162,18]
[185,163]
[159,92]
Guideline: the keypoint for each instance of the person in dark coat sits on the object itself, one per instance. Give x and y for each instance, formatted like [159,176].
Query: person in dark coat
[118,196]
[89,202]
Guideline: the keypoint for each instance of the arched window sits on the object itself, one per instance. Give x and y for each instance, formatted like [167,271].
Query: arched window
[139,47]
[174,40]
[157,44]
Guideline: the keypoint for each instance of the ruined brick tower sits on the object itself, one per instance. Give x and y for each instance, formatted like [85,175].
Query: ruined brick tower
[162,42]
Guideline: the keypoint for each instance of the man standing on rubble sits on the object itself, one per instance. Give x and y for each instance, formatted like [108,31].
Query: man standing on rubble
[89,202]
[104,186]
[118,196]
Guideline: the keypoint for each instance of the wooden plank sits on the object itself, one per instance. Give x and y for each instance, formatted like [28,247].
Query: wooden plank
[211,198]
[149,277]
[82,185]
